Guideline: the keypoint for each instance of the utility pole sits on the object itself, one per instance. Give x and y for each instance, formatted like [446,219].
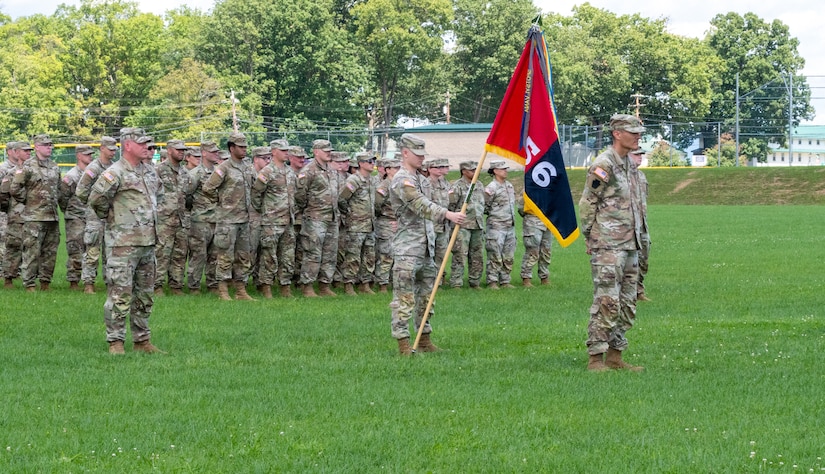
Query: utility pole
[234,113]
[447,107]
[790,119]
[736,150]
[637,105]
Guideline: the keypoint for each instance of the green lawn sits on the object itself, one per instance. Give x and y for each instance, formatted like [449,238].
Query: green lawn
[732,343]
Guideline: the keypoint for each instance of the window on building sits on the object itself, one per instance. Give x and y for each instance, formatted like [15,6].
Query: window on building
[817,142]
[798,157]
[799,142]
[809,142]
[774,157]
[782,157]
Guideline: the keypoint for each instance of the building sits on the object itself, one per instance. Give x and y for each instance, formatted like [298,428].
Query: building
[807,148]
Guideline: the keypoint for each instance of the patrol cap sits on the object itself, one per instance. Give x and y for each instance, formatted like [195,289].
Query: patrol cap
[467,165]
[392,163]
[498,165]
[425,166]
[280,144]
[151,142]
[297,151]
[193,151]
[237,139]
[108,142]
[137,135]
[261,151]
[439,163]
[19,146]
[628,123]
[324,145]
[176,144]
[363,156]
[413,143]
[353,162]
[223,155]
[84,149]
[636,152]
[42,139]
[163,154]
[340,156]
[209,146]
[379,163]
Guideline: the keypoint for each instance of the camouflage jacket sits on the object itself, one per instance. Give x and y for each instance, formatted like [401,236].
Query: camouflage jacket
[316,194]
[202,207]
[175,182]
[475,208]
[35,185]
[229,188]
[7,203]
[608,209]
[641,195]
[441,196]
[87,180]
[415,213]
[70,204]
[273,195]
[500,205]
[126,197]
[357,202]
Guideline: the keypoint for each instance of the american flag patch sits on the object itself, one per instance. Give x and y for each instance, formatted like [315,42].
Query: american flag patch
[407,182]
[262,178]
[108,177]
[66,179]
[381,191]
[219,172]
[351,187]
[90,173]
[601,174]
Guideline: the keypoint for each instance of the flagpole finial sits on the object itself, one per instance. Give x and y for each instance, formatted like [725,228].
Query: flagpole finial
[537,20]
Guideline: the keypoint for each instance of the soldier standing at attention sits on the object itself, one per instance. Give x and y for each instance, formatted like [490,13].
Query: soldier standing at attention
[316,196]
[644,250]
[74,215]
[173,237]
[261,156]
[273,195]
[192,158]
[18,153]
[610,222]
[357,203]
[93,234]
[500,208]
[297,158]
[36,186]
[126,196]
[413,246]
[438,169]
[385,225]
[202,217]
[229,188]
[469,245]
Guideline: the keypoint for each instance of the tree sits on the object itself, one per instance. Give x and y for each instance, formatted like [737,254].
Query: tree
[663,154]
[728,153]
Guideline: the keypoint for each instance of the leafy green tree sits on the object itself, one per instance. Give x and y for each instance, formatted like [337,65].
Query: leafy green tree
[728,153]
[663,154]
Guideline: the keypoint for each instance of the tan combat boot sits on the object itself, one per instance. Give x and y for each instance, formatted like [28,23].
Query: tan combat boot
[89,289]
[147,347]
[159,291]
[365,289]
[614,361]
[526,282]
[266,291]
[240,292]
[382,289]
[348,289]
[642,297]
[492,285]
[177,292]
[44,286]
[325,290]
[223,291]
[507,285]
[195,291]
[73,285]
[404,347]
[426,345]
[31,289]
[116,348]
[308,291]
[596,363]
[545,281]
[9,284]
[286,291]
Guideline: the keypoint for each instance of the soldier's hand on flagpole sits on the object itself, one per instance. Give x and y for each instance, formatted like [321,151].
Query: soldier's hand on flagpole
[456,217]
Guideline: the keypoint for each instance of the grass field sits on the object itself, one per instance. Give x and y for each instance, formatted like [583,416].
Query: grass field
[732,344]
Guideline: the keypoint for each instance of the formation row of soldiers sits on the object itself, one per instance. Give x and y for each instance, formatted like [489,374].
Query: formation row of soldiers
[270,218]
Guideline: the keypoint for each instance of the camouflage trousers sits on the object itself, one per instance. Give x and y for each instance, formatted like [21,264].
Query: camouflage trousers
[254,250]
[383,250]
[501,250]
[4,223]
[171,251]
[13,250]
[131,273]
[537,247]
[232,252]
[412,282]
[613,311]
[200,257]
[469,246]
[93,243]
[320,244]
[340,255]
[40,242]
[644,253]
[442,241]
[75,248]
[299,254]
[277,254]
[359,257]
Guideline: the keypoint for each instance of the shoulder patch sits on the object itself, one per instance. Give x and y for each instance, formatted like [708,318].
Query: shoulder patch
[409,182]
[381,191]
[351,187]
[601,174]
[262,178]
[18,171]
[219,172]
[66,179]
[90,173]
[301,175]
[108,177]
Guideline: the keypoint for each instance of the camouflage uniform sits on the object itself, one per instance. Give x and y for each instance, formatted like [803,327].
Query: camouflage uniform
[202,230]
[8,216]
[316,197]
[74,218]
[173,226]
[93,233]
[501,231]
[470,242]
[273,195]
[35,185]
[610,221]
[413,248]
[385,225]
[125,196]
[357,202]
[537,247]
[644,250]
[229,187]
[441,196]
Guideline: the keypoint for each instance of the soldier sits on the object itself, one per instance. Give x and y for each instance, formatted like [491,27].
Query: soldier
[18,153]
[316,196]
[74,215]
[470,242]
[500,207]
[126,196]
[35,185]
[173,231]
[202,228]
[229,188]
[413,246]
[385,225]
[297,158]
[341,163]
[357,205]
[93,234]
[193,158]
[537,248]
[261,156]
[438,169]
[610,222]
[644,250]
[273,195]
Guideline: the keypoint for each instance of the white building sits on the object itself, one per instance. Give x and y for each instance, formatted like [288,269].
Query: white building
[807,149]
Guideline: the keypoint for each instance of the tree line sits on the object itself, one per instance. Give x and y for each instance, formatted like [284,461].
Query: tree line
[315,65]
